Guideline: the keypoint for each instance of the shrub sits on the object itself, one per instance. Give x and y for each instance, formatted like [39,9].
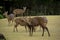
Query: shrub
[1,16]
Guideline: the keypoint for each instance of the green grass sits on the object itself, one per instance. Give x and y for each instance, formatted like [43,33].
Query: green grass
[53,26]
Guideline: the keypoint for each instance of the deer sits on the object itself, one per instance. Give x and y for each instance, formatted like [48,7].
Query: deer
[32,23]
[2,37]
[19,11]
[21,22]
[9,17]
[36,21]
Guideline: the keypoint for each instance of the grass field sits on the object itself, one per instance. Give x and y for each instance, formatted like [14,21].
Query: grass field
[53,26]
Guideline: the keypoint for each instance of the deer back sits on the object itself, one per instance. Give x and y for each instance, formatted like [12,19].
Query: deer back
[20,21]
[38,20]
[11,16]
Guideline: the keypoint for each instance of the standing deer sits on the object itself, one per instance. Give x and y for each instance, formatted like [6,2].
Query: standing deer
[36,21]
[32,23]
[10,17]
[20,21]
[19,11]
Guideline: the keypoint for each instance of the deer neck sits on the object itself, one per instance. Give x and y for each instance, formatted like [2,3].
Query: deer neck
[6,16]
[24,9]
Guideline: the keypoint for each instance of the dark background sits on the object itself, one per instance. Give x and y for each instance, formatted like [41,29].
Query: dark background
[34,7]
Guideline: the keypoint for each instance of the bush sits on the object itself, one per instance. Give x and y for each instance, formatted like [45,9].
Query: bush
[1,16]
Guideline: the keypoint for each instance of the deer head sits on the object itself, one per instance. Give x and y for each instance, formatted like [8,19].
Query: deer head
[24,8]
[5,14]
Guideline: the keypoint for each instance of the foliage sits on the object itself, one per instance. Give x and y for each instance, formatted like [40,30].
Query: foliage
[39,7]
[1,16]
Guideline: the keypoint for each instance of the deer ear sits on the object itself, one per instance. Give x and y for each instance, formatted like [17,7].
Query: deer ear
[24,7]
[7,11]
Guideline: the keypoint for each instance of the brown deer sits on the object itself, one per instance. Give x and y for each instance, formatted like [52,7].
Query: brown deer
[19,11]
[9,17]
[20,21]
[36,21]
[32,23]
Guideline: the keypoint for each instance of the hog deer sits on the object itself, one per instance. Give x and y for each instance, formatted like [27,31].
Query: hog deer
[9,17]
[20,21]
[36,21]
[32,23]
[19,11]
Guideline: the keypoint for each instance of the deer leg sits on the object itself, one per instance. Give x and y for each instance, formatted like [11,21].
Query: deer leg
[47,31]
[30,31]
[8,22]
[15,27]
[40,28]
[26,28]
[12,21]
[29,27]
[34,29]
[43,31]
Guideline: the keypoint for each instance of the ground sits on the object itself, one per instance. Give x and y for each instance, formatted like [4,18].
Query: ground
[53,26]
